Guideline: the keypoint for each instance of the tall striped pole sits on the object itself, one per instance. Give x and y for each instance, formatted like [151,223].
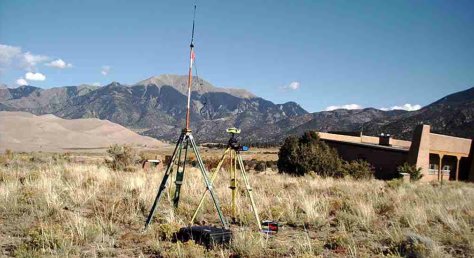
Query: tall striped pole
[190,73]
[190,81]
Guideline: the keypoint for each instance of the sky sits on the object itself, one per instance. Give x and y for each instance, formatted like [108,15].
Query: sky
[320,54]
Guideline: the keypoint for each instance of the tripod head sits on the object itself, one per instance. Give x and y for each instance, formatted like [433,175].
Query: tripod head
[233,142]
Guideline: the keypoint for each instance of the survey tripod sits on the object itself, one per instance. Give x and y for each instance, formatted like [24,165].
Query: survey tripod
[233,153]
[185,141]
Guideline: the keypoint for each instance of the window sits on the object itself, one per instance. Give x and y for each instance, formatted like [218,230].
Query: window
[446,169]
[433,169]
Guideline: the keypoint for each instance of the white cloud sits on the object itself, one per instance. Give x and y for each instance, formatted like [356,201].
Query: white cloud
[59,63]
[292,86]
[12,57]
[21,82]
[32,60]
[407,107]
[8,54]
[105,70]
[96,84]
[348,106]
[35,76]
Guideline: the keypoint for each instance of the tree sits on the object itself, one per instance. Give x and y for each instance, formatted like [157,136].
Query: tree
[122,157]
[299,156]
[359,169]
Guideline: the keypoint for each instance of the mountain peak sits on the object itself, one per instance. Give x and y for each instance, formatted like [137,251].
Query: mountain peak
[456,98]
[201,86]
[115,84]
[164,79]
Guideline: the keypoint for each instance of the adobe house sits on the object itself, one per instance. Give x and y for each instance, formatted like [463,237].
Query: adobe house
[440,157]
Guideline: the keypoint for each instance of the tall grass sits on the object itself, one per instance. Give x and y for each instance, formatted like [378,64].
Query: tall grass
[55,207]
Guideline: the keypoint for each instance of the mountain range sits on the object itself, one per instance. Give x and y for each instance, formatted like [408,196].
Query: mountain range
[157,106]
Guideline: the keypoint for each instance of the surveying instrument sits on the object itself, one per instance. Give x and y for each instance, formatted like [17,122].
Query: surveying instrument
[233,153]
[185,141]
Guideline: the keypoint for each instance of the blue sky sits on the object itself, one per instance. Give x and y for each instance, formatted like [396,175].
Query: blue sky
[317,53]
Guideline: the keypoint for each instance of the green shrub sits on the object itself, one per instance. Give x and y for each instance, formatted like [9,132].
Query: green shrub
[415,173]
[260,166]
[122,157]
[299,156]
[359,169]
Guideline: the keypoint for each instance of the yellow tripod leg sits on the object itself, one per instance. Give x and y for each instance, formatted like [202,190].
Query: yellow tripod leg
[249,190]
[213,177]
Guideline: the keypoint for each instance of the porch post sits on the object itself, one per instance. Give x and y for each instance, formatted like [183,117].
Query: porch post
[458,159]
[440,174]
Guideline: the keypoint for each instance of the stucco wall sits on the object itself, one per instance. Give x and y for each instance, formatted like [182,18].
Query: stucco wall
[449,145]
[419,154]
[362,139]
[339,137]
[384,160]
[400,143]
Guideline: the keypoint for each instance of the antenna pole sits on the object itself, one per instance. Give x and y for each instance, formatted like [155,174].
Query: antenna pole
[190,72]
[185,141]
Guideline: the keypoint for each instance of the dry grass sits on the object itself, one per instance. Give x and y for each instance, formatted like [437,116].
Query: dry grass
[56,207]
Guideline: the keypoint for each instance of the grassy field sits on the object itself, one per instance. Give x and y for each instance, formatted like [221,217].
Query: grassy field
[51,205]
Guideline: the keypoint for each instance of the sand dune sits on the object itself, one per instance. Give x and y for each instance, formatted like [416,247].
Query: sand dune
[20,131]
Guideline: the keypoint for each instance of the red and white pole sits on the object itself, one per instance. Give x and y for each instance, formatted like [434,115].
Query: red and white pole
[190,81]
[190,73]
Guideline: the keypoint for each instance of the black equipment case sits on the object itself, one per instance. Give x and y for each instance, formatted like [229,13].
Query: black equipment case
[205,235]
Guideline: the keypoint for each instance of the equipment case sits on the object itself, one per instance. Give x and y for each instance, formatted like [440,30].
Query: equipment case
[205,235]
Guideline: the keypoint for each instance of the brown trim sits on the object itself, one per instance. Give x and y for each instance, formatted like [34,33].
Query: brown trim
[369,146]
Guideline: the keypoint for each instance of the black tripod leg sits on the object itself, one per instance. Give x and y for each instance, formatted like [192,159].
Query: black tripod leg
[208,183]
[180,174]
[179,161]
[163,182]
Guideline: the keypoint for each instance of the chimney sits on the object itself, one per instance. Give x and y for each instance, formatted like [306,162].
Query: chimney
[384,139]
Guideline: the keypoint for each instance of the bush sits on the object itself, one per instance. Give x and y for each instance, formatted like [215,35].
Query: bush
[260,166]
[415,173]
[358,169]
[122,157]
[299,156]
[272,164]
[250,164]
